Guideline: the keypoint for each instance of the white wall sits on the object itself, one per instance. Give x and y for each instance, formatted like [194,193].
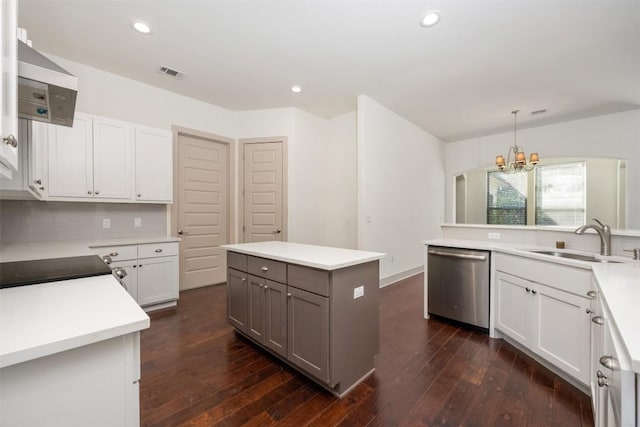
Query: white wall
[400,187]
[341,179]
[613,135]
[110,95]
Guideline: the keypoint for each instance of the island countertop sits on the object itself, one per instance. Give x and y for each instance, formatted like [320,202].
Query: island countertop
[321,257]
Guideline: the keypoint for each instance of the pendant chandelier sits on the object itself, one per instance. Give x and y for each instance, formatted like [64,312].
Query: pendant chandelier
[519,163]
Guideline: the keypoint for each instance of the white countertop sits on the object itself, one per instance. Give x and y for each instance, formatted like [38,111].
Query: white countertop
[62,249]
[619,284]
[321,257]
[43,319]
[620,290]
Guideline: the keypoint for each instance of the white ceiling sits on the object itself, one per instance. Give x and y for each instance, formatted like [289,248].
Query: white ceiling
[459,79]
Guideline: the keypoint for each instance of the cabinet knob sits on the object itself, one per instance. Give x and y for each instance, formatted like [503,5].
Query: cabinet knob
[599,374]
[589,311]
[591,294]
[608,362]
[158,251]
[527,289]
[139,195]
[89,192]
[106,259]
[602,382]
[598,320]
[97,192]
[289,295]
[243,280]
[266,287]
[533,291]
[260,284]
[264,269]
[38,181]
[10,140]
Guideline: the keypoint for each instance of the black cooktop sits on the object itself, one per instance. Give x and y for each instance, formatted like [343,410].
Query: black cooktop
[22,273]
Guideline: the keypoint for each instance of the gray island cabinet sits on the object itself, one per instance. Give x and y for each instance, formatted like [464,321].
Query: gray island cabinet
[314,307]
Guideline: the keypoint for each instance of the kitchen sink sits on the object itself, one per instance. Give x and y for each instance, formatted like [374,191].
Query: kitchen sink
[580,257]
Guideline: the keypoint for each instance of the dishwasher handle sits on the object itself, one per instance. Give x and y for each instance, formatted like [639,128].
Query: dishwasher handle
[457,255]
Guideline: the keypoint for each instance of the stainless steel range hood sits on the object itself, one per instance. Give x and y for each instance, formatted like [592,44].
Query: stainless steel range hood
[46,91]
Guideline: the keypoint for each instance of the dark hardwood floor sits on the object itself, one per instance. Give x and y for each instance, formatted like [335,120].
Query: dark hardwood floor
[196,371]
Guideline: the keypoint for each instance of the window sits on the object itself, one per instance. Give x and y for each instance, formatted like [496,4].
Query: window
[506,198]
[561,194]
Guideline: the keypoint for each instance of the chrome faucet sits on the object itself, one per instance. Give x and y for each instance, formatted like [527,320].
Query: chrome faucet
[604,231]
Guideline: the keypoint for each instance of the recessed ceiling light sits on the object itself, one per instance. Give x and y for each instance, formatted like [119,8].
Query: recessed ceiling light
[430,18]
[296,89]
[141,27]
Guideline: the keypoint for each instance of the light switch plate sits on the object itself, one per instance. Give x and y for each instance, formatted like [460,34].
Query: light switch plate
[358,292]
[106,223]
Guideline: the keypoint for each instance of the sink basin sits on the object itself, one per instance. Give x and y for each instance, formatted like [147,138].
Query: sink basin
[589,258]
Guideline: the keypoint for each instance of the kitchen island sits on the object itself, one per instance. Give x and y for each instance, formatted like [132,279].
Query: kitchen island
[314,307]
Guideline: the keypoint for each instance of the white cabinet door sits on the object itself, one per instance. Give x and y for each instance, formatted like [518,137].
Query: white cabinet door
[157,280]
[561,332]
[131,279]
[37,176]
[71,158]
[154,165]
[8,88]
[513,306]
[112,153]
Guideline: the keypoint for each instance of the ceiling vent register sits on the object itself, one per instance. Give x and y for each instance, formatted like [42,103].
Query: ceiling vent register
[172,73]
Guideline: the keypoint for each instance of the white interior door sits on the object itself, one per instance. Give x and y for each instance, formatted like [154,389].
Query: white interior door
[263,191]
[203,210]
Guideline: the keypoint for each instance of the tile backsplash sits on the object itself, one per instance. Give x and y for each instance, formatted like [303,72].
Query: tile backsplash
[33,221]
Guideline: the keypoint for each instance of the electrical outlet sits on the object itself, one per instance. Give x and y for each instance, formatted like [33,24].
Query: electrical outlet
[358,292]
[137,222]
[494,236]
[106,223]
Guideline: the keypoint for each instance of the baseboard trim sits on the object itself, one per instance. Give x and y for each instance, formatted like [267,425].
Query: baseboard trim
[389,280]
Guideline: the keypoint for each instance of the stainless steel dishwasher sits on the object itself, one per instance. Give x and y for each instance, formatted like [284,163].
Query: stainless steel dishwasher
[458,284]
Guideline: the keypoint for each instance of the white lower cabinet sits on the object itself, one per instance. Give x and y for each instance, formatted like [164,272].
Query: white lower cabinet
[94,385]
[544,318]
[613,383]
[151,271]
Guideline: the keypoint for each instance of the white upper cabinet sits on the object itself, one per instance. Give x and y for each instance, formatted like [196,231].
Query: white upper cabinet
[71,158]
[8,88]
[153,165]
[112,159]
[92,159]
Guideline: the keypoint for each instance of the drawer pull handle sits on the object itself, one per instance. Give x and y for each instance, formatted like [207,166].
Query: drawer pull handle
[113,254]
[608,362]
[591,294]
[158,251]
[598,320]
[264,269]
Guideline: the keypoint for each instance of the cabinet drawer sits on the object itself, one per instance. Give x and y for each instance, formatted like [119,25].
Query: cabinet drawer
[274,270]
[570,279]
[309,279]
[153,250]
[117,253]
[237,261]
